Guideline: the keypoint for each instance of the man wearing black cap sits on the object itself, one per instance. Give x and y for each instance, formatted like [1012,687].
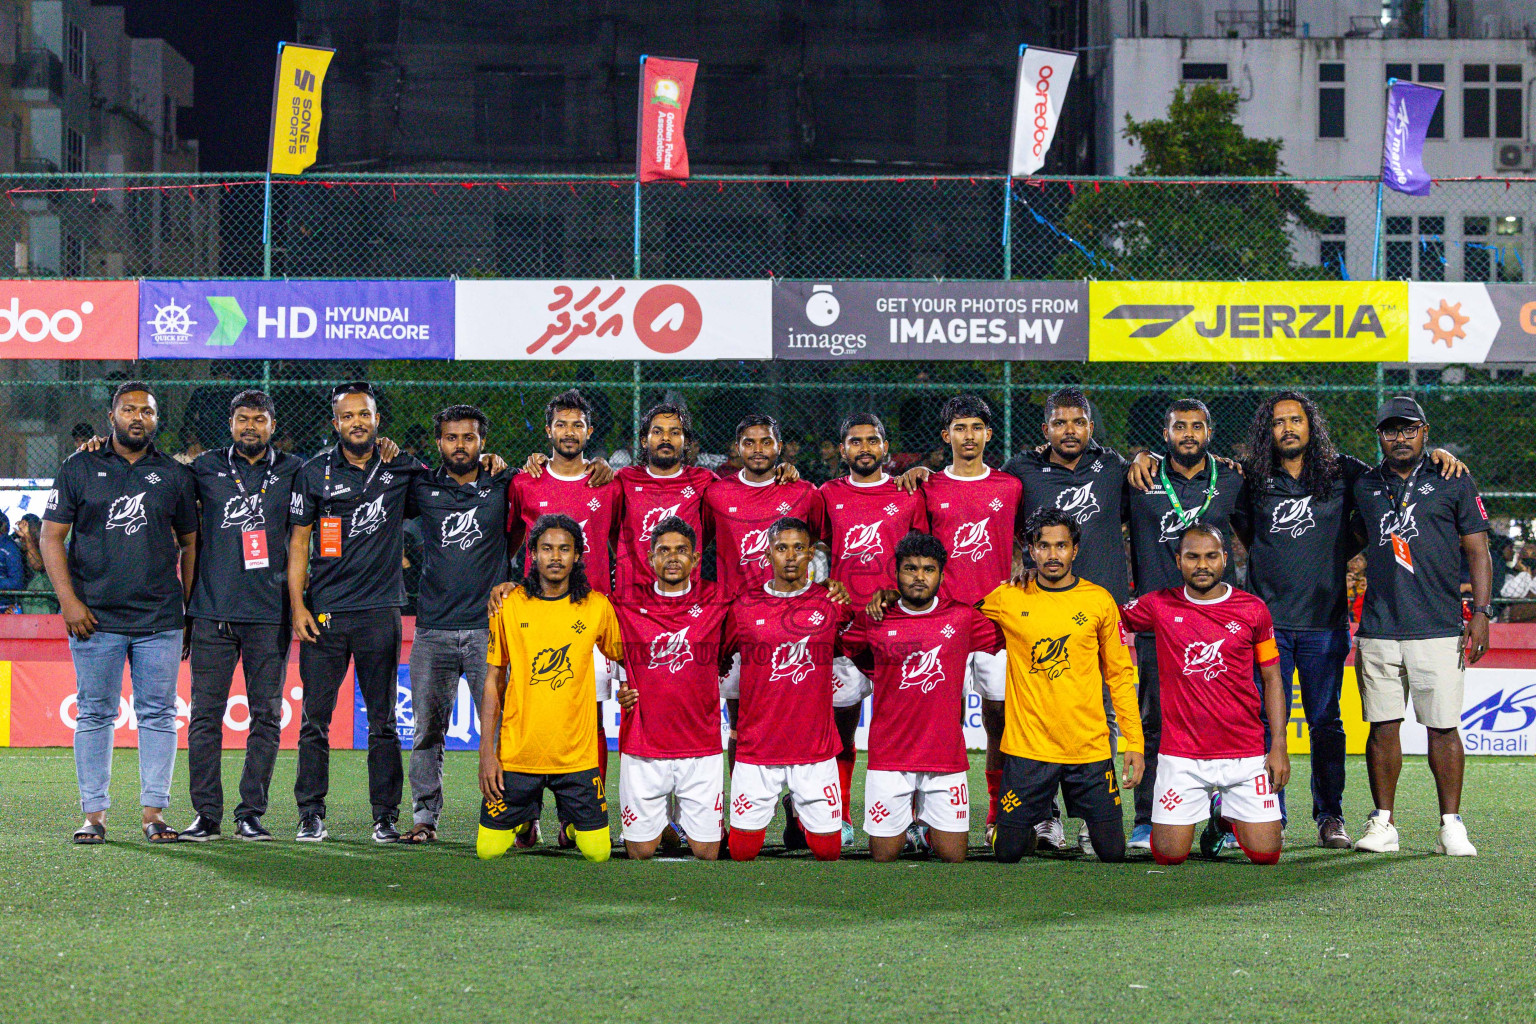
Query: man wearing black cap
[1412,642]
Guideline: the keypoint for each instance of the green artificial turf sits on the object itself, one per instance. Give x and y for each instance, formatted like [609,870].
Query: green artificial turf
[353,932]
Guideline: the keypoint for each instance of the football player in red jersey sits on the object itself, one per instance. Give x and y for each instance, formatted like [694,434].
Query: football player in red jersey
[1210,635]
[867,515]
[786,633]
[917,655]
[662,484]
[669,740]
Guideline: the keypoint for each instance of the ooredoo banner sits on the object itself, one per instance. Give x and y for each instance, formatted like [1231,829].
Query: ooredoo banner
[69,319]
[296,320]
[613,320]
[860,320]
[1252,321]
[1471,323]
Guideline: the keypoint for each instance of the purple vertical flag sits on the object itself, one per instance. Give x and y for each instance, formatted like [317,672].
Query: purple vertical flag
[1409,109]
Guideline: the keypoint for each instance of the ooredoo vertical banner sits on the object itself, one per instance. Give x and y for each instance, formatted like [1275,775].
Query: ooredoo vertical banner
[666,86]
[1037,100]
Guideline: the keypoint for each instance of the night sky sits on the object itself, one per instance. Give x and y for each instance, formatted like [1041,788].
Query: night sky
[232,45]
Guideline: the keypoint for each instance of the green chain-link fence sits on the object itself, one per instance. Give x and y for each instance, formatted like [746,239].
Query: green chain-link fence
[915,227]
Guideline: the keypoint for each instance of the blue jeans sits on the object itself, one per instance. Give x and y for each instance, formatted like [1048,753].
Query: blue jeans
[1315,657]
[153,660]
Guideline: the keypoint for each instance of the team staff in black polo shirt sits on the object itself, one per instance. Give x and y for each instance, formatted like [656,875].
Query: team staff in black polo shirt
[1296,524]
[239,613]
[130,513]
[1412,642]
[463,516]
[349,506]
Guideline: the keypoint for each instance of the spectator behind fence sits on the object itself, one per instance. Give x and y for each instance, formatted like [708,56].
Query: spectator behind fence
[12,566]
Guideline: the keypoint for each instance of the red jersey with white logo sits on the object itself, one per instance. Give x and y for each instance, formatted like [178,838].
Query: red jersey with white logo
[917,663]
[646,500]
[786,646]
[672,656]
[738,514]
[1206,651]
[864,525]
[595,508]
[974,518]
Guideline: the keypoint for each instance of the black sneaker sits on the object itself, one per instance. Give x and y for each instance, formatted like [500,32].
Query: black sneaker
[251,830]
[794,835]
[311,829]
[1330,833]
[384,832]
[201,830]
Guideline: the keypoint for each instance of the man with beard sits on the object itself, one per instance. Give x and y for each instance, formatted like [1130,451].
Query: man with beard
[463,514]
[1192,487]
[662,485]
[350,611]
[239,613]
[786,633]
[918,652]
[669,740]
[1419,529]
[1296,525]
[130,513]
[1211,639]
[867,514]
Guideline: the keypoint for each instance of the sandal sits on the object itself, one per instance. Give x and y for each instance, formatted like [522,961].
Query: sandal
[157,832]
[419,835]
[90,834]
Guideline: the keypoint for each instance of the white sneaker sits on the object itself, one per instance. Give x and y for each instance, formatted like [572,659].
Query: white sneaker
[1085,841]
[1380,835]
[1052,838]
[1453,838]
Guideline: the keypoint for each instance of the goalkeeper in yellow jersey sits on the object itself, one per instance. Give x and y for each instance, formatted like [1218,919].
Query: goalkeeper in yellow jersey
[538,721]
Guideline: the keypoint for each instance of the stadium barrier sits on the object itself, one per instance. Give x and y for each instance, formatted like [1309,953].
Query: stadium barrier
[37,692]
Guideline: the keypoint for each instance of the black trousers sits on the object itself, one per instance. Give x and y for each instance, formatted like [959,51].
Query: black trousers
[370,640]
[261,649]
[1150,700]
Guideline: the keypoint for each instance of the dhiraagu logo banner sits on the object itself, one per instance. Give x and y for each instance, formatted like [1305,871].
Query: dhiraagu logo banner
[1255,321]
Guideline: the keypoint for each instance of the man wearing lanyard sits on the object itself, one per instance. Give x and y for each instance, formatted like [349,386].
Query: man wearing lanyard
[463,515]
[239,613]
[1191,489]
[130,513]
[354,596]
[1412,643]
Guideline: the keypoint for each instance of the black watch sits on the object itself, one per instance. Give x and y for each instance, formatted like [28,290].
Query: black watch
[1488,611]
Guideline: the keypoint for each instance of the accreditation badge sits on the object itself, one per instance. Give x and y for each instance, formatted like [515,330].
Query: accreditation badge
[330,536]
[1402,552]
[253,544]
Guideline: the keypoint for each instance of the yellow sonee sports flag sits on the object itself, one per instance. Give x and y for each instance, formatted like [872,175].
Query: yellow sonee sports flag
[296,106]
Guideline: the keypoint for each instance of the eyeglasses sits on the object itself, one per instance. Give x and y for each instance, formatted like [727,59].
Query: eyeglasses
[1406,433]
[356,387]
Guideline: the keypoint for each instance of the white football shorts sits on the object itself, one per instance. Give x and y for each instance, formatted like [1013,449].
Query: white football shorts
[814,789]
[1185,787]
[943,801]
[645,783]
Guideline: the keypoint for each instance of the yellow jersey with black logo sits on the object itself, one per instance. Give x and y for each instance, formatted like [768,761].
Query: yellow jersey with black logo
[1063,647]
[549,710]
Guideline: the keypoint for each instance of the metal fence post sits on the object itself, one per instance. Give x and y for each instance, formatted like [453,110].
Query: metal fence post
[1007,411]
[634,429]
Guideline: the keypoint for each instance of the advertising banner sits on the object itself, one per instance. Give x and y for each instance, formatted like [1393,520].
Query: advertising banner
[69,319]
[1039,91]
[1471,323]
[296,320]
[1254,321]
[862,320]
[463,723]
[1410,108]
[613,320]
[666,87]
[1498,716]
[296,92]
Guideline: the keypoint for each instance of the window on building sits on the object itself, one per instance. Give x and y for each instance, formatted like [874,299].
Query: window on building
[1205,72]
[1431,249]
[1434,74]
[1475,97]
[1331,249]
[1506,103]
[74,45]
[1330,101]
[1494,248]
[74,152]
[1399,251]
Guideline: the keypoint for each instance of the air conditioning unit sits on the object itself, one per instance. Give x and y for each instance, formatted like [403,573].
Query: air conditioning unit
[1514,156]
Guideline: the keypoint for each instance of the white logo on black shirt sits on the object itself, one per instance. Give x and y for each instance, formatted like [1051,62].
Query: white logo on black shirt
[53,499]
[1078,502]
[296,504]
[922,669]
[368,517]
[972,540]
[243,514]
[1293,516]
[1175,523]
[386,478]
[152,478]
[1426,488]
[1404,526]
[1098,466]
[671,650]
[1204,659]
[461,530]
[127,514]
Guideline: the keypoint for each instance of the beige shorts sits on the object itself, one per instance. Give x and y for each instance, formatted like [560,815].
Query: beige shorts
[1428,671]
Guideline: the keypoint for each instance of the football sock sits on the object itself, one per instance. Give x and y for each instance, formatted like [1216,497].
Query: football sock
[1164,860]
[595,844]
[825,845]
[494,842]
[1108,840]
[994,790]
[745,845]
[1010,844]
[1272,857]
[845,763]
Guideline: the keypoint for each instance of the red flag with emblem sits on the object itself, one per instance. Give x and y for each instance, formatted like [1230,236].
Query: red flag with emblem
[666,86]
